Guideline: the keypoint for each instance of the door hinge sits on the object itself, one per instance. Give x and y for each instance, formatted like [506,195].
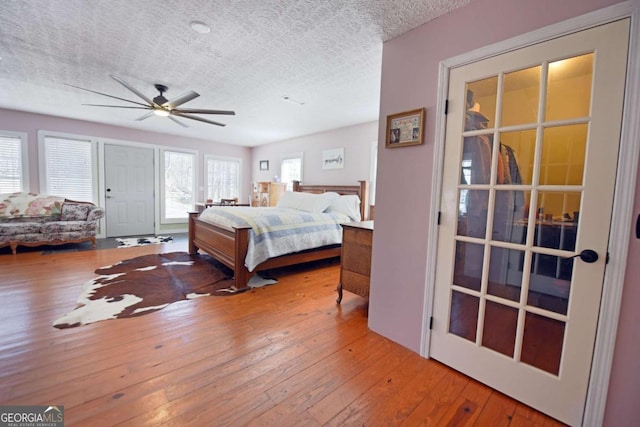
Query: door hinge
[446,106]
[431,323]
[606,260]
[439,216]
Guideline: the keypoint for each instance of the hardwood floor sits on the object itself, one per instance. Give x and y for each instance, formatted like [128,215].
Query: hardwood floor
[283,355]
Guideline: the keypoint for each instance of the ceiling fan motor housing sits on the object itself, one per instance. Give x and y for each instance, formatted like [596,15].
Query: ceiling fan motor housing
[160,99]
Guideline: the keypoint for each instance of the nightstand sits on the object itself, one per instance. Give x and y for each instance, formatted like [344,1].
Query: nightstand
[355,258]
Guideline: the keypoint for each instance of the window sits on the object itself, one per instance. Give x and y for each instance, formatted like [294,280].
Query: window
[68,167]
[291,169]
[223,178]
[13,162]
[177,185]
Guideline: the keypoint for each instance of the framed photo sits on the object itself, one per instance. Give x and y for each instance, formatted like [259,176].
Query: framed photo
[333,159]
[405,128]
[264,165]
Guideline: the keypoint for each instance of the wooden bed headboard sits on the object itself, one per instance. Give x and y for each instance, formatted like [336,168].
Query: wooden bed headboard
[361,190]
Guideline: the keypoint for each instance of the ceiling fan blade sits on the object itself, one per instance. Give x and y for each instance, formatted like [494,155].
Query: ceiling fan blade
[119,106]
[178,122]
[145,116]
[185,97]
[132,89]
[200,119]
[104,94]
[201,111]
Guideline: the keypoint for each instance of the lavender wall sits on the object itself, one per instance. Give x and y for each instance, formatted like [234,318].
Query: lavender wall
[410,80]
[356,141]
[19,121]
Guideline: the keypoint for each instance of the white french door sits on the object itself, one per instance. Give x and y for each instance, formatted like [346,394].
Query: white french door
[532,141]
[129,190]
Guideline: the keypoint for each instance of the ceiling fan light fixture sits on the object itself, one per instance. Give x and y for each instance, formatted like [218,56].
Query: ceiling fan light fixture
[161,112]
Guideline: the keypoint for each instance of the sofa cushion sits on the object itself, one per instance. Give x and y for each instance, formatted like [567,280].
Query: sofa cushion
[75,212]
[18,228]
[31,219]
[29,205]
[65,227]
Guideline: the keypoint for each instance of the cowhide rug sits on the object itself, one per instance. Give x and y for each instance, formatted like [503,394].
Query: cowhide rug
[128,242]
[148,283]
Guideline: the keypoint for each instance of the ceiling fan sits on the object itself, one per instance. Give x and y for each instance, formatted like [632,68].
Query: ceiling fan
[161,106]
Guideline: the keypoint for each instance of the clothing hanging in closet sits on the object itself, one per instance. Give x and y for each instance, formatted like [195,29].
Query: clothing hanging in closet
[509,204]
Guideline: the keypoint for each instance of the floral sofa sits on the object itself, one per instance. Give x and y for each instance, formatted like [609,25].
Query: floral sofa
[28,219]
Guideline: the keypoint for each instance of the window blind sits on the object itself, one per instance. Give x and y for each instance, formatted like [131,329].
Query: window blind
[223,178]
[178,184]
[10,164]
[69,168]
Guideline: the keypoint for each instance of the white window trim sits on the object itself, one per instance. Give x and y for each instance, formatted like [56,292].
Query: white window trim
[24,152]
[194,180]
[205,172]
[42,164]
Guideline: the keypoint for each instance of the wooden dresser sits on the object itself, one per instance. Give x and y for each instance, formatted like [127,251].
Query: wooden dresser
[355,259]
[266,193]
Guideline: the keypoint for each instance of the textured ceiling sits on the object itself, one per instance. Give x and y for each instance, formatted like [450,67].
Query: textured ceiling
[324,55]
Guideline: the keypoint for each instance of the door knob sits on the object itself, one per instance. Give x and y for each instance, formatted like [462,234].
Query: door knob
[587,255]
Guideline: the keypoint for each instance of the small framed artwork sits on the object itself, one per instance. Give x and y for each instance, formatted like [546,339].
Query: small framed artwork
[405,128]
[264,165]
[333,159]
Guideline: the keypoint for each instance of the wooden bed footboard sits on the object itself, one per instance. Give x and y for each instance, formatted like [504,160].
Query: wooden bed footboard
[227,245]
[230,245]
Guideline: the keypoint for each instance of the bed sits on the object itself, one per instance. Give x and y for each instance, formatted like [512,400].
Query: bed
[230,244]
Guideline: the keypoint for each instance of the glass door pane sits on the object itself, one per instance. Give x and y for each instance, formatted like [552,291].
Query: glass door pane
[519,199]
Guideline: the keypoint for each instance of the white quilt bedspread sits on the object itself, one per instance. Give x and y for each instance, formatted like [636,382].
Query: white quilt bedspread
[279,231]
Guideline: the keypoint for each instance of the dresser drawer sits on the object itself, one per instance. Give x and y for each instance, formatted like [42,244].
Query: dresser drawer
[355,283]
[356,255]
[355,261]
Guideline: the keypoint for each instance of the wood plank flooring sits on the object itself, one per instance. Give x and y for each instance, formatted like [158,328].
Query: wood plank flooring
[283,355]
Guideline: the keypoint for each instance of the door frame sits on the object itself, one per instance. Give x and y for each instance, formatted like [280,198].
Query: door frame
[624,196]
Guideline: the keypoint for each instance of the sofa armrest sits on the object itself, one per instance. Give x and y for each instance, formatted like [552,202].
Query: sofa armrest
[95,213]
[73,210]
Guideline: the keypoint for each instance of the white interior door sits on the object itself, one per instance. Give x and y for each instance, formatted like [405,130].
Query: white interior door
[129,190]
[532,141]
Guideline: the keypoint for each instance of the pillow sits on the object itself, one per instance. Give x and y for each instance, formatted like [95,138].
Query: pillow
[348,205]
[75,212]
[308,202]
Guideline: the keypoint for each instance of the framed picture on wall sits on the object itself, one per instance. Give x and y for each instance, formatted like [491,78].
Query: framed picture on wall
[333,159]
[264,165]
[405,128]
